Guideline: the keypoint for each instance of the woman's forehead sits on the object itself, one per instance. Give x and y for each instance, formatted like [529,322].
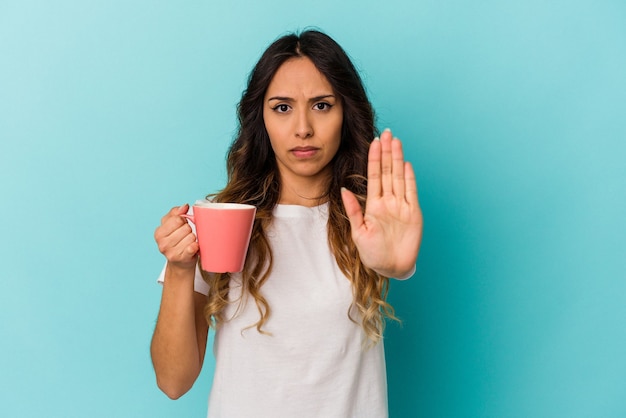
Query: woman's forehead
[299,77]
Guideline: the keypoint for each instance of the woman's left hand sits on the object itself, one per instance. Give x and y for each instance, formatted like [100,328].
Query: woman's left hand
[389,234]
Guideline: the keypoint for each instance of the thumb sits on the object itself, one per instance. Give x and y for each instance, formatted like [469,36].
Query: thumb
[181,210]
[353,209]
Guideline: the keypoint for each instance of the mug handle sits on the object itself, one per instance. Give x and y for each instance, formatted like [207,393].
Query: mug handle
[189,217]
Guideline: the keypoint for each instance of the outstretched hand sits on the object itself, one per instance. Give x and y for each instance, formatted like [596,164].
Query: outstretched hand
[389,234]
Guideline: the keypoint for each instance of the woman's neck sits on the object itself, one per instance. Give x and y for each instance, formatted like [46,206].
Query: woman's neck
[293,197]
[304,192]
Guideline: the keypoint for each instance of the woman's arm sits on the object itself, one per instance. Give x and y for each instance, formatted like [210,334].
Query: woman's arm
[180,336]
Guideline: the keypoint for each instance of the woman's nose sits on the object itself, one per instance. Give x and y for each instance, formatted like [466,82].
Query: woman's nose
[304,128]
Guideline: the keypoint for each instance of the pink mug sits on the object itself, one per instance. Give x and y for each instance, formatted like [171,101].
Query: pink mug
[223,231]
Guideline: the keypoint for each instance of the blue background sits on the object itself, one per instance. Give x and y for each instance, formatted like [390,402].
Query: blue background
[512,113]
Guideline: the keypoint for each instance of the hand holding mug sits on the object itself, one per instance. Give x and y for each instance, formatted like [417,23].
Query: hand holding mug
[176,240]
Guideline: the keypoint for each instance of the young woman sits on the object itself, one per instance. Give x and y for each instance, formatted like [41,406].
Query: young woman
[299,332]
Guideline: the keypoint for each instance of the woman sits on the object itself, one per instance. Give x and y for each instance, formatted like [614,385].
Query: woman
[299,331]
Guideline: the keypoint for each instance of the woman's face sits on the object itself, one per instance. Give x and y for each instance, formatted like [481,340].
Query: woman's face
[303,118]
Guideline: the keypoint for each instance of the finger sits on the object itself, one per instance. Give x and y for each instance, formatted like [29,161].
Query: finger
[411,185]
[183,209]
[180,248]
[187,247]
[175,211]
[175,215]
[173,220]
[181,235]
[397,168]
[170,235]
[172,231]
[169,225]
[353,209]
[386,163]
[185,252]
[373,170]
[192,249]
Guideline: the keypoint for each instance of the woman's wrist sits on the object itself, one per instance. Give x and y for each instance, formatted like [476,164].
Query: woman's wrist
[177,272]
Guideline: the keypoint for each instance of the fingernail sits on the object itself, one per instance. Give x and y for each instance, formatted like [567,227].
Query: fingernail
[377,139]
[387,130]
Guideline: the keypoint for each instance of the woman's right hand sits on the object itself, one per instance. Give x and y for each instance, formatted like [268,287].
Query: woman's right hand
[175,239]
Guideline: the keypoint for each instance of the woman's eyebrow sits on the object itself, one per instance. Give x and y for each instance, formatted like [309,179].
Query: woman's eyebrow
[281,98]
[322,97]
[290,99]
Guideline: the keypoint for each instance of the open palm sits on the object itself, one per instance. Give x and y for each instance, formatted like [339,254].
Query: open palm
[389,234]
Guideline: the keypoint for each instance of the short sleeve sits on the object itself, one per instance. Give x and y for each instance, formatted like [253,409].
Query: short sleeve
[199,285]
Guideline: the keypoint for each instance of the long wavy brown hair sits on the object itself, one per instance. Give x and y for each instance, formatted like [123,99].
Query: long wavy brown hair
[253,179]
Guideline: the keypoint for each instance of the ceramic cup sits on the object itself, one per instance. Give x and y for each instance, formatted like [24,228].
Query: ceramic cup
[223,231]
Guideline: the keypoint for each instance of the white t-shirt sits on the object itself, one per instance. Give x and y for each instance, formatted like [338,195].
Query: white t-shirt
[313,364]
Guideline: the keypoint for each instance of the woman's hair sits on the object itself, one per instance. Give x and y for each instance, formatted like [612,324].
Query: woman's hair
[253,179]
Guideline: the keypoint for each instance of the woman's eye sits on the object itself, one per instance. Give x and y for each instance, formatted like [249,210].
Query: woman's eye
[322,106]
[282,108]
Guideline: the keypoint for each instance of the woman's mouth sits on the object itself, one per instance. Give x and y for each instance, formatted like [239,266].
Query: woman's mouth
[304,152]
